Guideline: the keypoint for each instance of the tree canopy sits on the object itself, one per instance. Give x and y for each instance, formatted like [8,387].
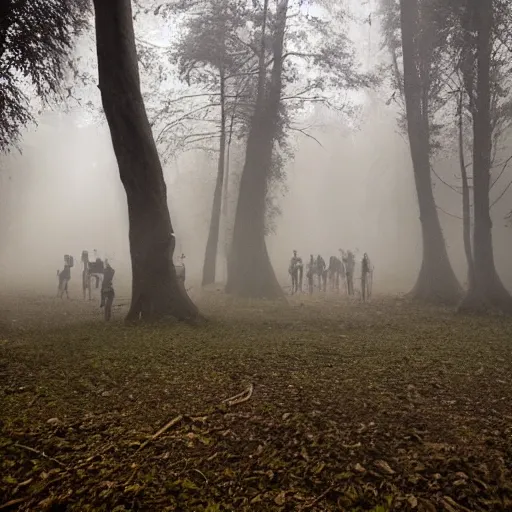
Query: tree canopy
[35,39]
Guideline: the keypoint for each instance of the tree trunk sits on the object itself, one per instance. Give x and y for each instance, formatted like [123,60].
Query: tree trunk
[210,257]
[156,292]
[436,281]
[466,207]
[250,271]
[487,289]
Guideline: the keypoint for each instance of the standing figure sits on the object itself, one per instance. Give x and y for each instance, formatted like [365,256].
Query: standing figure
[350,264]
[310,273]
[343,273]
[107,290]
[65,276]
[334,273]
[321,271]
[296,269]
[86,277]
[91,269]
[366,277]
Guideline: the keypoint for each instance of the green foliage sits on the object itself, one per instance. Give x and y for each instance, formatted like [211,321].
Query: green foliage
[35,37]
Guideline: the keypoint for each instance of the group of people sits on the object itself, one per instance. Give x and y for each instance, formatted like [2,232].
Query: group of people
[97,269]
[340,272]
[100,271]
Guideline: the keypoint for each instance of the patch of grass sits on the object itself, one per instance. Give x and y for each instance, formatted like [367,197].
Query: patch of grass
[383,406]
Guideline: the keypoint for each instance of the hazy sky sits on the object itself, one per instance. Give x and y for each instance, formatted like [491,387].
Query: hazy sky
[63,193]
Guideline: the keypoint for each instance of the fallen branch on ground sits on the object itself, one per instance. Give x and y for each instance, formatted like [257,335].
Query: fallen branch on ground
[11,503]
[42,454]
[311,504]
[164,429]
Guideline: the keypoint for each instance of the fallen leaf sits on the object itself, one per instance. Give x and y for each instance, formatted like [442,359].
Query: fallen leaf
[280,499]
[384,467]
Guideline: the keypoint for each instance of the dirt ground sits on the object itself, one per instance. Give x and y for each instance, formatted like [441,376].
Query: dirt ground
[343,406]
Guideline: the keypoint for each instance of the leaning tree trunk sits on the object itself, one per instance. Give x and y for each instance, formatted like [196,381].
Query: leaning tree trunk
[250,272]
[487,289]
[156,292]
[210,257]
[466,207]
[436,281]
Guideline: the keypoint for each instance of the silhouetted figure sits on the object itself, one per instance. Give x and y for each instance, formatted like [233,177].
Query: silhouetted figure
[107,290]
[321,271]
[310,273]
[296,269]
[64,276]
[366,277]
[334,272]
[350,264]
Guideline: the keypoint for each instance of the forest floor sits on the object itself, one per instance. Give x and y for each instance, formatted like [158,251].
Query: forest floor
[345,406]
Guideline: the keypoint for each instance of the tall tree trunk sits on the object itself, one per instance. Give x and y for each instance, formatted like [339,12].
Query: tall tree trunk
[156,292]
[436,281]
[466,207]
[250,272]
[487,289]
[225,194]
[210,257]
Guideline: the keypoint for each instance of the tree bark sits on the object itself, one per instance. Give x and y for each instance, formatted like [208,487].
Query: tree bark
[466,207]
[156,292]
[250,272]
[487,290]
[210,257]
[436,281]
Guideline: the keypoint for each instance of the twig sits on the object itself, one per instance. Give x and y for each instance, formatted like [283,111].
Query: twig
[132,476]
[11,503]
[201,473]
[42,454]
[502,194]
[240,398]
[448,213]
[164,429]
[317,499]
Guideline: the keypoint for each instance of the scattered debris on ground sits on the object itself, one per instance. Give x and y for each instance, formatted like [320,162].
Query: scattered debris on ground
[322,405]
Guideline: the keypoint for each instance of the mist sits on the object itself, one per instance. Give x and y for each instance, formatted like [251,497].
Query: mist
[62,194]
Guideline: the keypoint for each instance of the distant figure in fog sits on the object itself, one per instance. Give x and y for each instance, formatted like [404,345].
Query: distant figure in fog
[321,271]
[107,290]
[310,273]
[350,264]
[64,276]
[295,270]
[366,277]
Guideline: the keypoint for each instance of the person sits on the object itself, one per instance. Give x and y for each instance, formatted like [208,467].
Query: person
[107,290]
[64,278]
[365,271]
[310,273]
[350,263]
[295,270]
[321,269]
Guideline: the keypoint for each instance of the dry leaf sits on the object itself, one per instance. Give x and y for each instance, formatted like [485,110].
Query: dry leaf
[384,467]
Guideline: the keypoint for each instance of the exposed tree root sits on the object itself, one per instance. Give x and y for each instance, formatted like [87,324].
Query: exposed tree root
[240,398]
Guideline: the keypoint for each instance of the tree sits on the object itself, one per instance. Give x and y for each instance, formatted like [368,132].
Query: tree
[35,38]
[486,288]
[330,65]
[419,45]
[156,292]
[250,50]
[211,42]
[250,272]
